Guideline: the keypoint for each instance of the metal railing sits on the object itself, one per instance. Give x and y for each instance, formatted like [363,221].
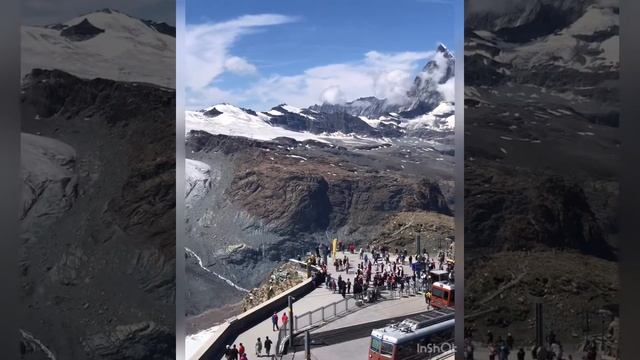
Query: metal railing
[303,265]
[324,314]
[282,337]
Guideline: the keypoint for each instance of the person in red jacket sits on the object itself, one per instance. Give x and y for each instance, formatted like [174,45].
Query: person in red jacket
[241,349]
[285,318]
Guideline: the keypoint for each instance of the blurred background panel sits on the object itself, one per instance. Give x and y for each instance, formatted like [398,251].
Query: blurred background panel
[97,239]
[542,148]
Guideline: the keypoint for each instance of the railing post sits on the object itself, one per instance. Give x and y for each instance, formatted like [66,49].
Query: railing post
[335,309]
[310,318]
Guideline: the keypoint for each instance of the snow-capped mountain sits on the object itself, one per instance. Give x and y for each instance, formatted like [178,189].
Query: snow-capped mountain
[306,124]
[428,109]
[106,44]
[585,41]
[431,86]
[231,120]
[370,107]
[571,60]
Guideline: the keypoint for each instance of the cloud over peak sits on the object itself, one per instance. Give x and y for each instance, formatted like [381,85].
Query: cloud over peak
[208,45]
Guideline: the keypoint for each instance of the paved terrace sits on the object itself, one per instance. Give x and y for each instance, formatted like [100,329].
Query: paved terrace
[392,307]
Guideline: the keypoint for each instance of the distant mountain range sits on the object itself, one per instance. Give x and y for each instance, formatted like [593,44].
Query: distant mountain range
[103,44]
[425,110]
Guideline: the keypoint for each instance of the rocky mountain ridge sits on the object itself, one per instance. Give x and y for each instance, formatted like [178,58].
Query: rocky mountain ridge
[98,183]
[103,44]
[541,163]
[422,98]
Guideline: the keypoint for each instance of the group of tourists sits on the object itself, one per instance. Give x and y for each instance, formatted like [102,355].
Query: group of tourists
[342,264]
[235,353]
[374,272]
[503,348]
[275,318]
[266,345]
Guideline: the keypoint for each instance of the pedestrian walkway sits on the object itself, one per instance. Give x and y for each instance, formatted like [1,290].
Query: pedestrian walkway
[322,296]
[319,297]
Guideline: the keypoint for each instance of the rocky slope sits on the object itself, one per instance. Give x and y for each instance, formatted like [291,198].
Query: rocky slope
[400,231]
[541,174]
[97,219]
[273,200]
[281,279]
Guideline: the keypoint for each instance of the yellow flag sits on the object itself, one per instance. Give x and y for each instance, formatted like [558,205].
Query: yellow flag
[334,248]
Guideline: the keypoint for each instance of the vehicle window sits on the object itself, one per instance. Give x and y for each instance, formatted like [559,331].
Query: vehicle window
[446,295]
[406,350]
[386,348]
[452,295]
[375,344]
[437,292]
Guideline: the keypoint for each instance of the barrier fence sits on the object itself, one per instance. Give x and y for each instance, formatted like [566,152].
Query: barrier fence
[323,314]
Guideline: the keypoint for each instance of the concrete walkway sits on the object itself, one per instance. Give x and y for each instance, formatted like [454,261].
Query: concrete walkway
[319,297]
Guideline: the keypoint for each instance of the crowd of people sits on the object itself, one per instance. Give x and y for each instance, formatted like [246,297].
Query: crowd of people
[503,348]
[386,271]
[379,269]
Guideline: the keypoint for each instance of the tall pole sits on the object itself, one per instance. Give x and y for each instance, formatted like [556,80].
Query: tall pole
[602,335]
[291,298]
[539,325]
[307,345]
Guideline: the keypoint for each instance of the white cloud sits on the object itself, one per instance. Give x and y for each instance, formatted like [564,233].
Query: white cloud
[332,95]
[239,66]
[382,75]
[207,47]
[448,90]
[208,55]
[205,97]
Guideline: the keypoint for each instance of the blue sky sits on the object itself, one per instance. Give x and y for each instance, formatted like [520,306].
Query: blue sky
[261,53]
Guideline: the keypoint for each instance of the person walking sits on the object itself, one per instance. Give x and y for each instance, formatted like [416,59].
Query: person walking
[492,351]
[241,350]
[258,348]
[267,345]
[285,320]
[244,357]
[510,341]
[489,337]
[503,353]
[274,321]
[233,354]
[427,296]
[348,286]
[520,354]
